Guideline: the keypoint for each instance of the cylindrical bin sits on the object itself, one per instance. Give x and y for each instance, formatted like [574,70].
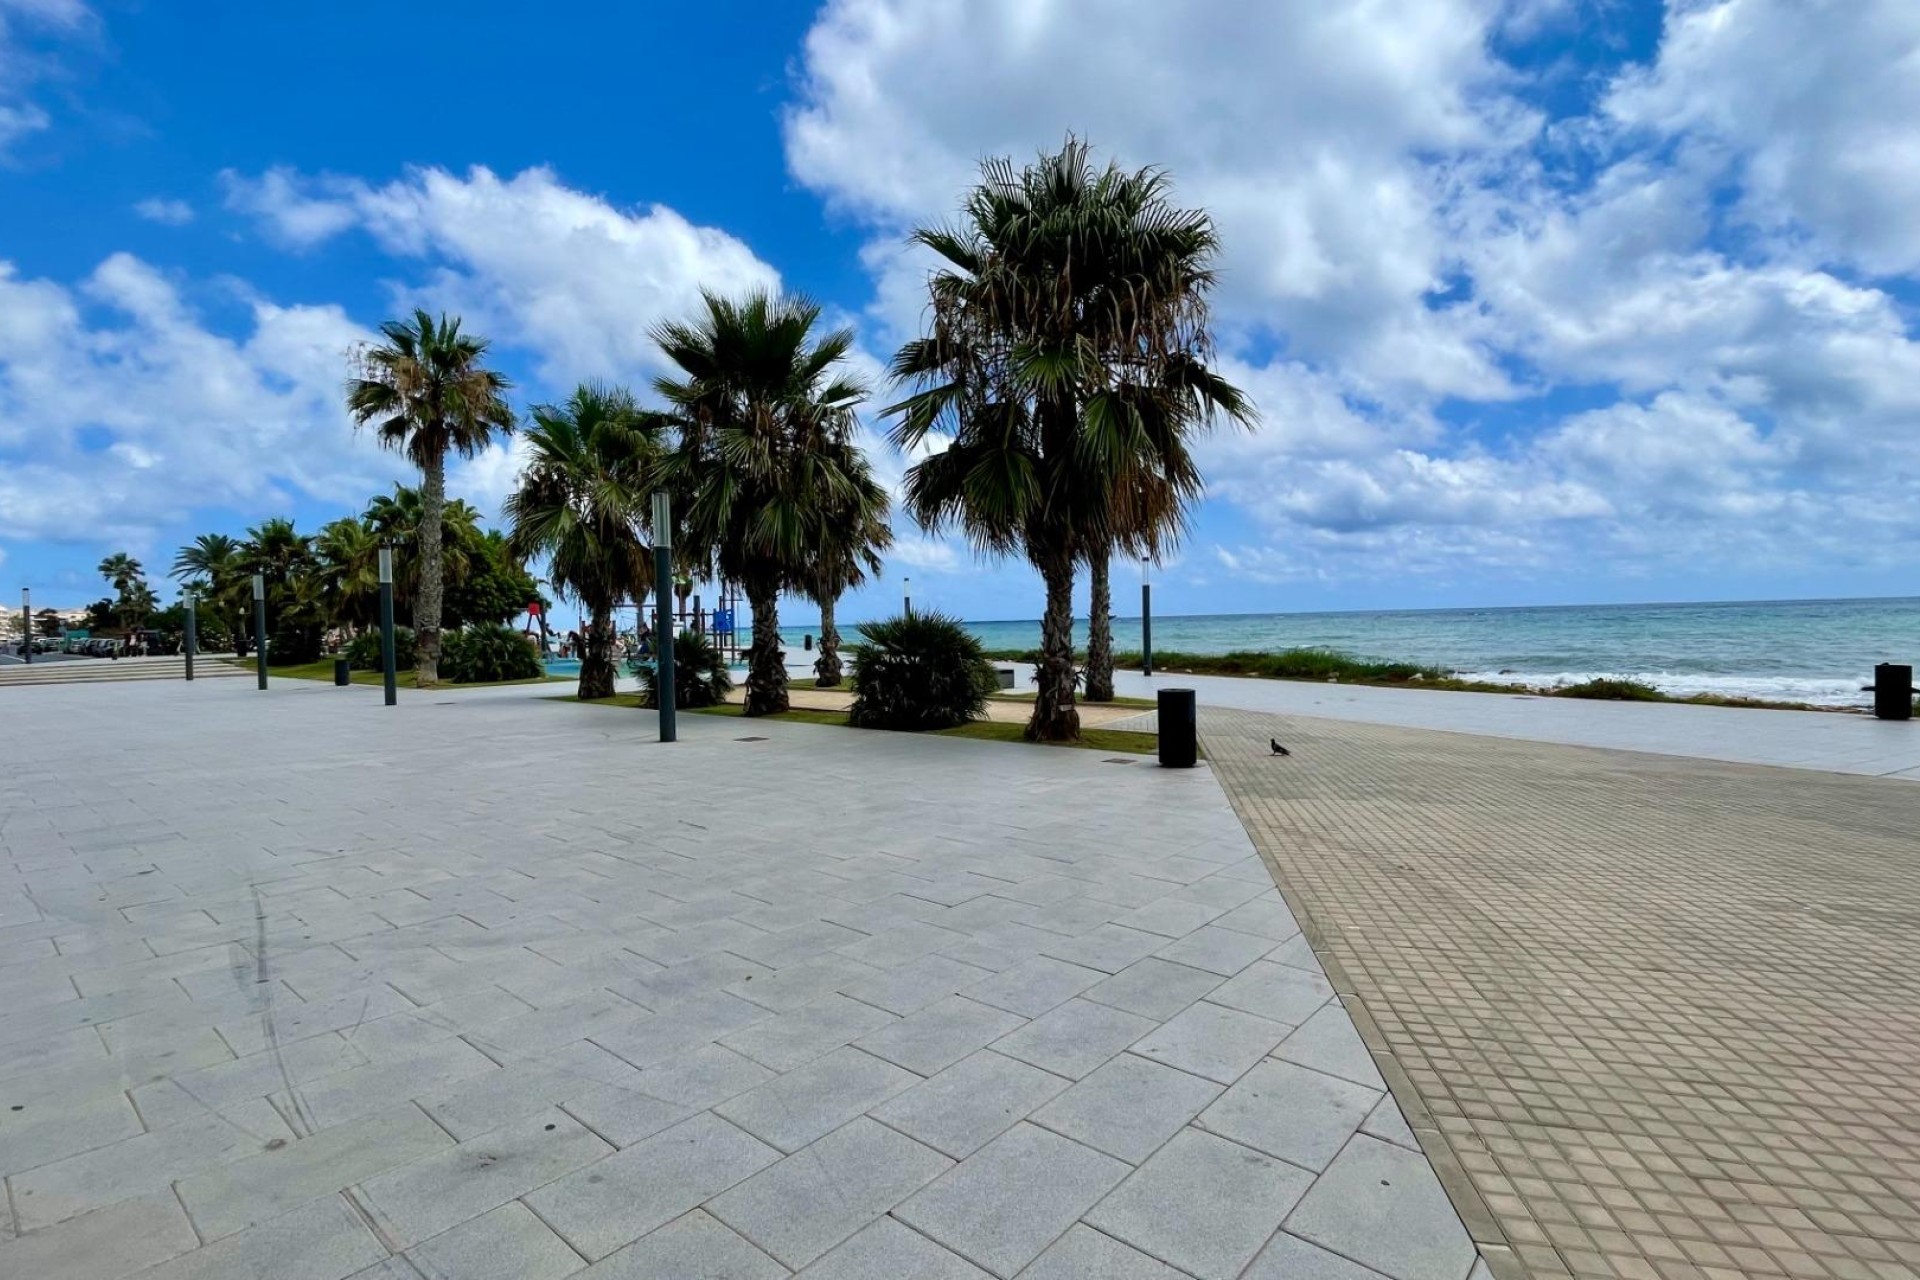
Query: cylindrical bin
[340,676]
[1179,729]
[1893,691]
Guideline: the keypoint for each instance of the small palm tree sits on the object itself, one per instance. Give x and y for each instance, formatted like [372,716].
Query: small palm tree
[427,394]
[581,504]
[851,541]
[765,424]
[348,550]
[1066,363]
[128,579]
[214,565]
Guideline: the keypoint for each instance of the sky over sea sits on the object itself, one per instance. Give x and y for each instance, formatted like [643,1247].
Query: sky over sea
[1540,301]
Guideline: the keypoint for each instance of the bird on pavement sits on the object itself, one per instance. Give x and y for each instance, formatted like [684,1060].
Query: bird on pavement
[1277,748]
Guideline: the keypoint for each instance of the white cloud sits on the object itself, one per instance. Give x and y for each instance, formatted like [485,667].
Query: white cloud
[166,212]
[21,69]
[527,259]
[121,412]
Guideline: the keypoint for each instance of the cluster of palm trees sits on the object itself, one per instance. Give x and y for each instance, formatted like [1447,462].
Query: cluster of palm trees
[1066,370]
[329,581]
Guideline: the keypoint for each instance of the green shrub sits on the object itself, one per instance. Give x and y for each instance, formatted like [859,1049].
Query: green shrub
[700,674]
[486,654]
[1607,690]
[922,671]
[292,645]
[363,651]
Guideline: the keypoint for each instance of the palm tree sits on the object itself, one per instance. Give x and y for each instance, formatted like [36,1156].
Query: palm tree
[213,564]
[395,518]
[1067,364]
[765,423]
[582,504]
[348,550]
[128,578]
[852,539]
[427,394]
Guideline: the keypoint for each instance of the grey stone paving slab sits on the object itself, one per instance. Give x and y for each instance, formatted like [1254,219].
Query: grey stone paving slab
[1387,1124]
[321,1240]
[508,1243]
[1202,1203]
[1382,1205]
[887,1250]
[1288,1257]
[1276,992]
[934,1038]
[969,1104]
[619,1199]
[1074,1038]
[549,946]
[420,1200]
[1085,1254]
[1002,1206]
[809,1202]
[1327,1042]
[794,1109]
[1216,950]
[696,1247]
[1212,1040]
[1154,988]
[234,1196]
[1303,1117]
[103,1245]
[1034,986]
[1128,1108]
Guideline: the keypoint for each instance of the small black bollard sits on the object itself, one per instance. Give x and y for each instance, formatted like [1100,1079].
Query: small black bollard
[1892,691]
[340,676]
[1179,729]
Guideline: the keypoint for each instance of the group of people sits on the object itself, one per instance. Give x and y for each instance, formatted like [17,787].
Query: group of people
[633,645]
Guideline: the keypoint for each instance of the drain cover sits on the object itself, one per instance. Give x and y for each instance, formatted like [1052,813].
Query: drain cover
[749,739]
[1118,760]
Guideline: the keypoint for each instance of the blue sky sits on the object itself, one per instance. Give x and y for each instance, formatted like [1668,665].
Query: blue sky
[1542,301]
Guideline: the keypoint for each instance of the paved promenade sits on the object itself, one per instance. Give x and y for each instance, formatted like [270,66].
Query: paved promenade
[1652,1017]
[490,988]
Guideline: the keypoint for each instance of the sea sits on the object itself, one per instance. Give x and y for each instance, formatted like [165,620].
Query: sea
[1812,651]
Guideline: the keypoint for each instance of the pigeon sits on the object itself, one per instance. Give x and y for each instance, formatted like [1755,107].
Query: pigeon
[1277,748]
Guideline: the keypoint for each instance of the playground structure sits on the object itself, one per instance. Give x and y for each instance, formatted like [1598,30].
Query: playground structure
[720,624]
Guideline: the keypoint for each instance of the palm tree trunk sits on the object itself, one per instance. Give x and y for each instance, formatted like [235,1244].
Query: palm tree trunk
[426,605]
[1055,718]
[596,658]
[828,668]
[766,661]
[1100,629]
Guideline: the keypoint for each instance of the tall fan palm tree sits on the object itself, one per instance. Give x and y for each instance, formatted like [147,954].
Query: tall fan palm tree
[851,541]
[127,576]
[582,504]
[217,563]
[427,393]
[1066,363]
[765,424]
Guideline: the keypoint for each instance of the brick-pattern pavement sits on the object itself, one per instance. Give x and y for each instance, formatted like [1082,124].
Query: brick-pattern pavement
[1651,1017]
[487,987]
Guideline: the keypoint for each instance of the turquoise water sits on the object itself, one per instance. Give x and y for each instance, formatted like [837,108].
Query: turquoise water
[1818,651]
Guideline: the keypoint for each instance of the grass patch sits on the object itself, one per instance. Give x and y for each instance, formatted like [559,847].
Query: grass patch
[1145,704]
[1605,690]
[1108,740]
[323,671]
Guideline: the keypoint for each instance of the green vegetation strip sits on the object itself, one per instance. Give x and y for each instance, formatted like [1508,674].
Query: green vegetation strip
[1329,666]
[323,670]
[1108,740]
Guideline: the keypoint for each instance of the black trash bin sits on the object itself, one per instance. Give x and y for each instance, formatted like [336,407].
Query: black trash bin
[1179,729]
[340,676]
[1893,691]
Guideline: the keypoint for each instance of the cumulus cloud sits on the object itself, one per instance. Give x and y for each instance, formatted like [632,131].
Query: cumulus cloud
[22,67]
[118,401]
[526,259]
[168,213]
[1476,333]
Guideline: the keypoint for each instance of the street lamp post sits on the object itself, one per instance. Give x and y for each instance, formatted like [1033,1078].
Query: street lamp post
[386,622]
[193,635]
[260,627]
[26,624]
[1146,620]
[663,609]
[906,589]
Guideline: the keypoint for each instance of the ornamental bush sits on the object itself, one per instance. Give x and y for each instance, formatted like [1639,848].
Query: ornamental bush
[700,674]
[918,671]
[363,651]
[487,653]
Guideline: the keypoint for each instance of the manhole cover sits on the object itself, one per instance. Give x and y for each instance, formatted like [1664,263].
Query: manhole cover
[749,739]
[1118,760]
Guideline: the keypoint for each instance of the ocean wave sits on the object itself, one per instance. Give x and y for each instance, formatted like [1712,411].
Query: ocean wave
[1811,690]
